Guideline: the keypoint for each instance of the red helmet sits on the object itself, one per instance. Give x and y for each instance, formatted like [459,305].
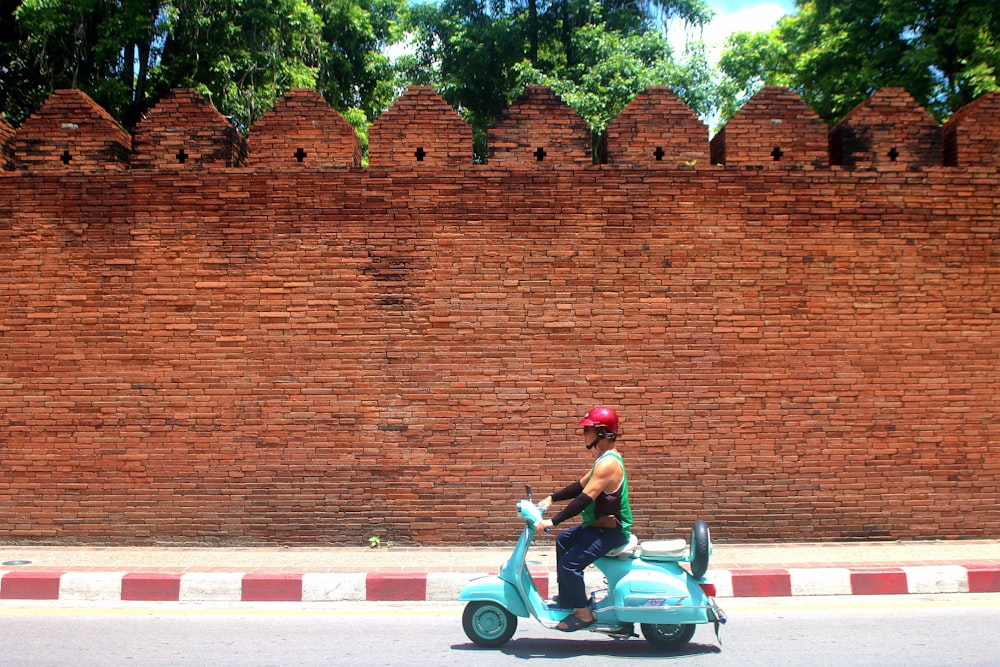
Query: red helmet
[601,416]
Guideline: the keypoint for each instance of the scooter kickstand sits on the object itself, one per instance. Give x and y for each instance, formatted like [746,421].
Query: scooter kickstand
[623,632]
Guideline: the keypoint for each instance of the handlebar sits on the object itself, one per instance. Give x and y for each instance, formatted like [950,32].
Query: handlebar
[531,512]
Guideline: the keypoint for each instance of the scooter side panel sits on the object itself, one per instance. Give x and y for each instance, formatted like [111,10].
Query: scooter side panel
[647,596]
[497,590]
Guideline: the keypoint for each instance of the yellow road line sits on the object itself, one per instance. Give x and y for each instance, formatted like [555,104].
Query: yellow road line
[731,606]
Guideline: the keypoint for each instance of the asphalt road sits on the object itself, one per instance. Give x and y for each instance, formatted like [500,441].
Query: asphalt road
[859,630]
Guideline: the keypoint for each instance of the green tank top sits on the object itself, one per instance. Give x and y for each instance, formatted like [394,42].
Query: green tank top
[614,503]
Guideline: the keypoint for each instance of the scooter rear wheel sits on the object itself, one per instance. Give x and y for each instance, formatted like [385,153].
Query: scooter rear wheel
[700,548]
[670,637]
[488,624]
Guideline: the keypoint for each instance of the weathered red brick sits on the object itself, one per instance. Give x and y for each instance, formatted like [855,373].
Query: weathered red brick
[539,130]
[6,145]
[775,129]
[264,355]
[303,131]
[71,133]
[657,129]
[422,131]
[887,131]
[972,135]
[185,131]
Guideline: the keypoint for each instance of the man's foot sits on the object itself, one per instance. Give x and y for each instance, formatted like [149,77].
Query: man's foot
[572,623]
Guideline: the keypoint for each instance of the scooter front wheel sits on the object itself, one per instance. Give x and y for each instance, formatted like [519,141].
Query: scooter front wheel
[670,637]
[488,624]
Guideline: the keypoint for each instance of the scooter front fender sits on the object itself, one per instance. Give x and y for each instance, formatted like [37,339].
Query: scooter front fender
[494,589]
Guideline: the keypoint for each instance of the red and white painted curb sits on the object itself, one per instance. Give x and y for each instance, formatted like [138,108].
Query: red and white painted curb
[445,586]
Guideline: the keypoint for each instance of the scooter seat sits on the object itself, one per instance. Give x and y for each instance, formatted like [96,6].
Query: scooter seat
[625,550]
[664,550]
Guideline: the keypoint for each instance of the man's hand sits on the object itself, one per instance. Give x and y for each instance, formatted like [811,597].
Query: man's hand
[545,504]
[542,526]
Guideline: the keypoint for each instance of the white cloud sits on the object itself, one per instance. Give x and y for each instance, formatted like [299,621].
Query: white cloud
[751,17]
[756,18]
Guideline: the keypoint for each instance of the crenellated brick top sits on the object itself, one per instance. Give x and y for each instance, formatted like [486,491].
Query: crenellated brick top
[71,132]
[185,130]
[6,145]
[971,136]
[540,130]
[420,130]
[657,128]
[888,130]
[302,130]
[774,130]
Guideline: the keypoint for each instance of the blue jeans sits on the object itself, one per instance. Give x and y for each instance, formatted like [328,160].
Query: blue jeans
[577,548]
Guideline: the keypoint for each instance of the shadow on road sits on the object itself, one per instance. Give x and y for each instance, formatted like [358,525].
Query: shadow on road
[568,648]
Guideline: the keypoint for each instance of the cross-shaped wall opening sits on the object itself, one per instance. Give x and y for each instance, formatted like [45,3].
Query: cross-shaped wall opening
[659,153]
[419,154]
[300,155]
[182,156]
[540,154]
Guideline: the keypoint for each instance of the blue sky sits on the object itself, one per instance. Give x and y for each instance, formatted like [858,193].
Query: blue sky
[733,16]
[749,15]
[731,6]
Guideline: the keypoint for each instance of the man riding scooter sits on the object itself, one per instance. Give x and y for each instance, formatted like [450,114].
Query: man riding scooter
[601,496]
[646,583]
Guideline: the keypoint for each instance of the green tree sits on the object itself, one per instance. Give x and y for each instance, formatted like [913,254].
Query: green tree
[101,46]
[613,68]
[22,87]
[355,73]
[242,54]
[750,62]
[837,54]
[467,50]
[480,54]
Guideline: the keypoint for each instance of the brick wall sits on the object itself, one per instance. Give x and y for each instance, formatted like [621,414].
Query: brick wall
[185,129]
[197,353]
[539,130]
[70,130]
[421,131]
[973,133]
[887,130]
[657,129]
[6,145]
[774,129]
[302,119]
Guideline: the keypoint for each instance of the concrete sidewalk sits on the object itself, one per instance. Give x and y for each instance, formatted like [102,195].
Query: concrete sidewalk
[438,573]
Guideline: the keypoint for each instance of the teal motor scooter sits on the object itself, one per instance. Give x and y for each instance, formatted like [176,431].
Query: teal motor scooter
[645,584]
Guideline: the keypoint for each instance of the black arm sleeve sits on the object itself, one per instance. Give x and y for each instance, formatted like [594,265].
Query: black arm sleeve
[571,491]
[574,508]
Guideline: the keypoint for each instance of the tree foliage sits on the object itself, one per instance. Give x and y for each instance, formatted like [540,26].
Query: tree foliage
[480,54]
[612,68]
[355,73]
[837,54]
[597,56]
[242,54]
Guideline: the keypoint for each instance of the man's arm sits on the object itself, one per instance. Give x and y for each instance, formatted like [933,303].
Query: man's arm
[607,477]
